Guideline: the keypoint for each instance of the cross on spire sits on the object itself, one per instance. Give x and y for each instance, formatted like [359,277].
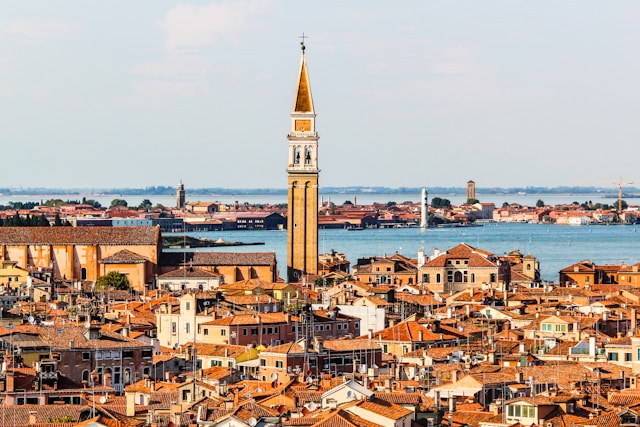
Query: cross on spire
[302,42]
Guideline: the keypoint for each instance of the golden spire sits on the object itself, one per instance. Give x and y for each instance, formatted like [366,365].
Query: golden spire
[304,101]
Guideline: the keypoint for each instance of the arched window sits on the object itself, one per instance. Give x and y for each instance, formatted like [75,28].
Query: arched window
[296,156]
[127,376]
[307,156]
[83,273]
[457,277]
[438,278]
[85,375]
[473,277]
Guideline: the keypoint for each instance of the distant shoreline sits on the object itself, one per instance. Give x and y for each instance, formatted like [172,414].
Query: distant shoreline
[609,191]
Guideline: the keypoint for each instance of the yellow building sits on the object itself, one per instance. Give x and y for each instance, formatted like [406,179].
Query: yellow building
[11,275]
[302,171]
[85,253]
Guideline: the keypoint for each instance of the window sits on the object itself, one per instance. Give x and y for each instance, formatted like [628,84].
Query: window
[473,277]
[187,327]
[263,362]
[223,332]
[127,354]
[546,327]
[99,355]
[117,375]
[254,331]
[627,357]
[425,278]
[438,278]
[115,354]
[86,355]
[187,305]
[279,364]
[174,327]
[613,356]
[146,353]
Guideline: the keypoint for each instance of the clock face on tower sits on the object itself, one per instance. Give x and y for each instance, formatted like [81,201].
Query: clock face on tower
[303,125]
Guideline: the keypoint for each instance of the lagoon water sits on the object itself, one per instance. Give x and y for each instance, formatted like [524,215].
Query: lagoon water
[555,246]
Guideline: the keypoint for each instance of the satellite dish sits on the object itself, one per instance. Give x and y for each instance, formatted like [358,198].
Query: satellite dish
[253,422]
[309,380]
[274,376]
[175,346]
[103,399]
[312,406]
[31,319]
[87,324]
[362,369]
[350,394]
[258,390]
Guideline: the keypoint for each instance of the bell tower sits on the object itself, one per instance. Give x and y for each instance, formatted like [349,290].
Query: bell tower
[302,173]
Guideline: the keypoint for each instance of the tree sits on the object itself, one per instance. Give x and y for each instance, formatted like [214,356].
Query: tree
[119,202]
[113,280]
[348,202]
[145,205]
[437,202]
[390,203]
[57,222]
[539,204]
[472,201]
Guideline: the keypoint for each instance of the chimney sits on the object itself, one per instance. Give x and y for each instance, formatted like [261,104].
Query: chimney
[492,357]
[32,418]
[420,336]
[131,404]
[452,405]
[592,346]
[10,379]
[167,376]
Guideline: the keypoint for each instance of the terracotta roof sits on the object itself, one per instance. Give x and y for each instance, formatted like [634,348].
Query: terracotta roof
[189,272]
[80,235]
[217,258]
[124,257]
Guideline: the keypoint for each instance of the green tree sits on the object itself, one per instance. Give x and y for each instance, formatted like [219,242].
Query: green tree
[472,201]
[437,202]
[119,202]
[539,204]
[145,205]
[113,280]
[348,202]
[390,203]
[55,203]
[57,222]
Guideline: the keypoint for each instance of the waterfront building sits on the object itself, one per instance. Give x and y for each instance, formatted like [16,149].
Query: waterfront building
[302,175]
[464,266]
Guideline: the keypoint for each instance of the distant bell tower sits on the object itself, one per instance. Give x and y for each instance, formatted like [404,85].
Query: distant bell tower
[180,197]
[302,173]
[471,190]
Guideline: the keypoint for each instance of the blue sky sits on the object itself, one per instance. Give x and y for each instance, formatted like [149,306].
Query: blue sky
[411,93]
